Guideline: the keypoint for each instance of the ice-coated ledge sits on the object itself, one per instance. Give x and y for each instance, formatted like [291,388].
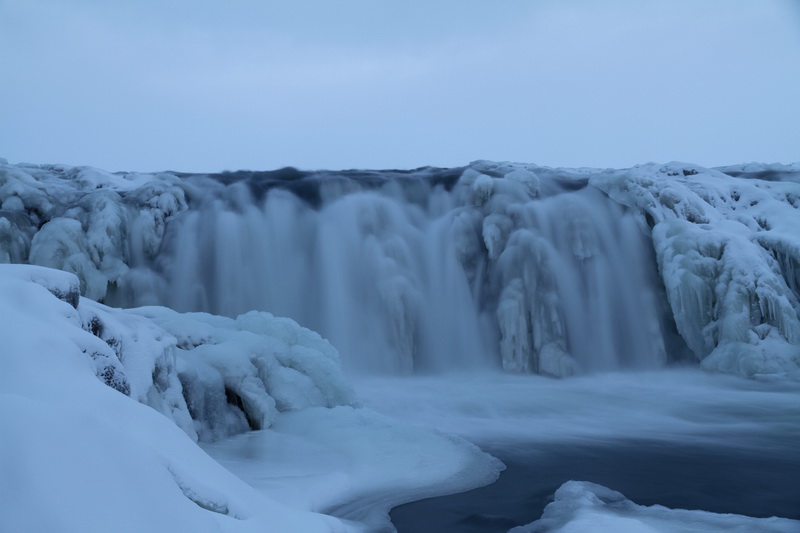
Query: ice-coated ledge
[580,506]
[728,250]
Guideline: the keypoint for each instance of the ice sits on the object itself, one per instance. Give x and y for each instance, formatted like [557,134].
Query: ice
[727,249]
[355,463]
[101,407]
[580,506]
[681,436]
[262,363]
[450,272]
[552,271]
[78,455]
[84,220]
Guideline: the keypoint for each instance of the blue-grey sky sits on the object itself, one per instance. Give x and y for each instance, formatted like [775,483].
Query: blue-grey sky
[207,85]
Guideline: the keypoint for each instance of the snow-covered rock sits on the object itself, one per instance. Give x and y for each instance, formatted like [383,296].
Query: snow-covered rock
[238,374]
[580,506]
[728,250]
[84,220]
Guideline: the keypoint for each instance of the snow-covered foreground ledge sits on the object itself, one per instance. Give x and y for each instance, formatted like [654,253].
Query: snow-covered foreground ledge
[98,435]
[581,507]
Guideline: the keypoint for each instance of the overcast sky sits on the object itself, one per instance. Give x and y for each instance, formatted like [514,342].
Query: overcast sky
[202,85]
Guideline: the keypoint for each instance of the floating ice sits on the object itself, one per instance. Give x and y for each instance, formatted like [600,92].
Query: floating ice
[580,506]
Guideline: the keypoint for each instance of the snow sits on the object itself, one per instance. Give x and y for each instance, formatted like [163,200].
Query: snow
[270,364]
[533,419]
[535,257]
[581,506]
[727,250]
[79,456]
[356,463]
[553,271]
[97,433]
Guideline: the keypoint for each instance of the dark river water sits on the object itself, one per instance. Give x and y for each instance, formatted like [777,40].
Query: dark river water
[755,482]
[683,439]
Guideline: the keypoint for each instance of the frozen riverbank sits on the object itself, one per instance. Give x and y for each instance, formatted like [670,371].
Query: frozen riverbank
[681,438]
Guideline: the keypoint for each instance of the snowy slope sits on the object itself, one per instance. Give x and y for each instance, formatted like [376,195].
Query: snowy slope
[78,455]
[97,432]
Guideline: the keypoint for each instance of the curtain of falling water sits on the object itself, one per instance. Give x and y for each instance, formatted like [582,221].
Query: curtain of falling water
[400,286]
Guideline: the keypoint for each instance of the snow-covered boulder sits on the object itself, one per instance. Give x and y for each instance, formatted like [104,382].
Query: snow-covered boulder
[238,374]
[580,506]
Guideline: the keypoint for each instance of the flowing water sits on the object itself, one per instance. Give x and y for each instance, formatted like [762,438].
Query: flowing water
[411,276]
[679,437]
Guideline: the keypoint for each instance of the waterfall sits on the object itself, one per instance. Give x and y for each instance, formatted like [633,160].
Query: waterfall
[419,273]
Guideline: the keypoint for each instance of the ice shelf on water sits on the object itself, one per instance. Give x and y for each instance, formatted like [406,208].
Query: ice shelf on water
[678,437]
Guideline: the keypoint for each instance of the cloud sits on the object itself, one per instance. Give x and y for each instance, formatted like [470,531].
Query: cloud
[202,86]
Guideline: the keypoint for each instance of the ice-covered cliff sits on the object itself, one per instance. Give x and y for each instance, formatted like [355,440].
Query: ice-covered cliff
[554,271]
[728,249]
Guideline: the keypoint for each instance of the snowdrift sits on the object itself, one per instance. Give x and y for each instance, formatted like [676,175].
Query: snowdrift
[101,409]
[580,506]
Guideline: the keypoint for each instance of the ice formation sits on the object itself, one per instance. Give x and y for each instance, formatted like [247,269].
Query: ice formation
[78,453]
[531,269]
[212,376]
[728,249]
[582,506]
[552,271]
[238,374]
[101,408]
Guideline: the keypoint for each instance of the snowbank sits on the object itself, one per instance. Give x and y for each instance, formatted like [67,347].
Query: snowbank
[101,408]
[581,506]
[77,455]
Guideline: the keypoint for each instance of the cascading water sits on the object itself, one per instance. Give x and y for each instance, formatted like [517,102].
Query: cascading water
[541,274]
